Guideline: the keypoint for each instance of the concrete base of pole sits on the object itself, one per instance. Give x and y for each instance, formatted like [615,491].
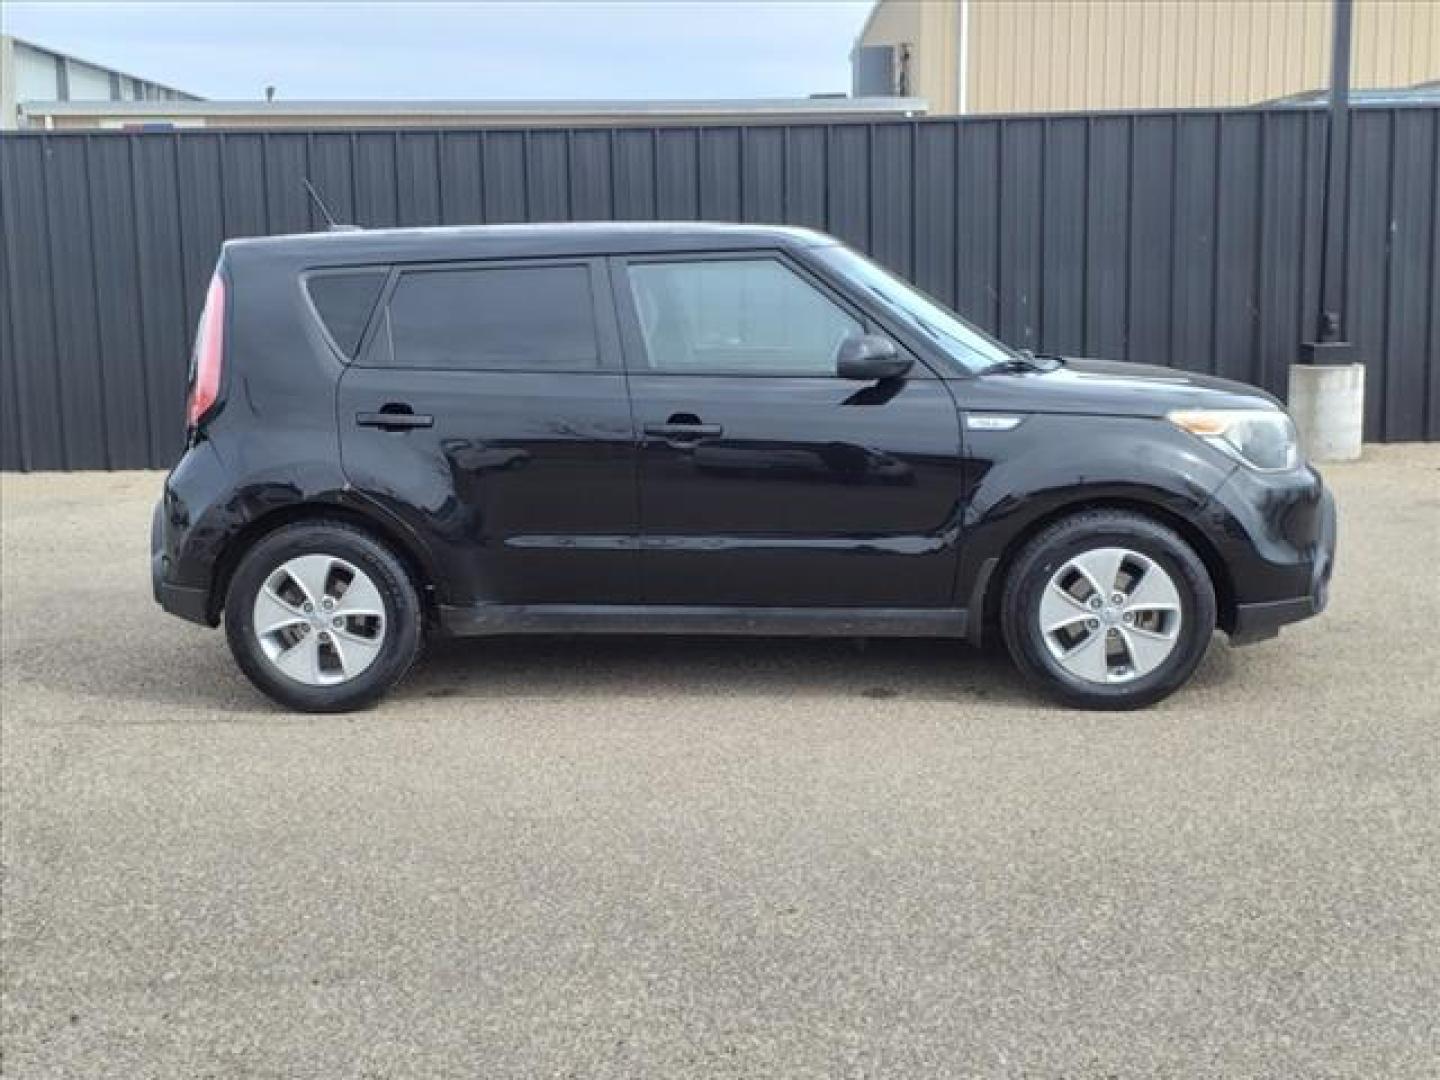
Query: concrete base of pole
[1328,404]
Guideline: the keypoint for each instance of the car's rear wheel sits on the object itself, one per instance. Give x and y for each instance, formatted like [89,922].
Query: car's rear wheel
[322,617]
[1108,609]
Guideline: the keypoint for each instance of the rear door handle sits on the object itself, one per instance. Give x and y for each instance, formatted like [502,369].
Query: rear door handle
[684,431]
[394,418]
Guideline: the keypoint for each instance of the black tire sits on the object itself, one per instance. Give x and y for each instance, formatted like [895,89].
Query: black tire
[1049,551]
[403,637]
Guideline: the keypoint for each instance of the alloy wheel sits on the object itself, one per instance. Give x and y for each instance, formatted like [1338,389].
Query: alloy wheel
[319,620]
[1110,615]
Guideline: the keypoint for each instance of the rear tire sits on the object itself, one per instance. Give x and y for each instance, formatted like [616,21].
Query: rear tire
[322,617]
[1108,609]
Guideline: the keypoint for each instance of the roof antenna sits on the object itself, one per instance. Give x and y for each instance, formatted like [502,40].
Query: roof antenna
[334,226]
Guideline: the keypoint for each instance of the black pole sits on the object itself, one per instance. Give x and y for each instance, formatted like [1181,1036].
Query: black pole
[1330,346]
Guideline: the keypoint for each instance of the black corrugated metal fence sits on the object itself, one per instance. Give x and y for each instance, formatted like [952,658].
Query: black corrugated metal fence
[1188,238]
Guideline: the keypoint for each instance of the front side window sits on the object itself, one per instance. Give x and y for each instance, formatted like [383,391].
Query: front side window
[736,317]
[500,318]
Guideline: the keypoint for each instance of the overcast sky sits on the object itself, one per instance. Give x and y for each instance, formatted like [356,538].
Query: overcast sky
[592,49]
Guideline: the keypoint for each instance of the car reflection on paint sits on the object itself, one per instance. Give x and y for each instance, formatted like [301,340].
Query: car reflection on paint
[835,462]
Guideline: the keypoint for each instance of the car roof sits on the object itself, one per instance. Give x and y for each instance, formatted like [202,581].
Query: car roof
[522,241]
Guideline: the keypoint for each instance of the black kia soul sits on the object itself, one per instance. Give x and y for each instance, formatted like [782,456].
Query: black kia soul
[691,428]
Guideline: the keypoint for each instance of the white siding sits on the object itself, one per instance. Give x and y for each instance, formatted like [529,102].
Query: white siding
[34,75]
[88,83]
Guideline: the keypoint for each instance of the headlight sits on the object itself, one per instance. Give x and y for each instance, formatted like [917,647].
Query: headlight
[1264,439]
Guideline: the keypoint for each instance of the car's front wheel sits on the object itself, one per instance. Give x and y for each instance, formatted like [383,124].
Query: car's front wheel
[1108,610]
[322,617]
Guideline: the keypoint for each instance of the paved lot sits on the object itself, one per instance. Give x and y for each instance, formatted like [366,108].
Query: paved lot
[668,858]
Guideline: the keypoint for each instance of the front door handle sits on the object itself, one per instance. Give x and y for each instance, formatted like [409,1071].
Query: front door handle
[395,416]
[684,431]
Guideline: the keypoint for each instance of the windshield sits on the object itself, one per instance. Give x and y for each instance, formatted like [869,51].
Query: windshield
[972,348]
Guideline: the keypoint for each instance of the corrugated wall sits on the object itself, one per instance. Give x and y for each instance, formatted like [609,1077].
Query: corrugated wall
[1044,55]
[1185,238]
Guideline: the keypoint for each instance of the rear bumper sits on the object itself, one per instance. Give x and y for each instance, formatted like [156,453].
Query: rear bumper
[188,602]
[188,530]
[193,605]
[1311,540]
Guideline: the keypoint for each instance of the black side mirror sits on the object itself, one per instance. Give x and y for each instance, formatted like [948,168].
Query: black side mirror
[870,357]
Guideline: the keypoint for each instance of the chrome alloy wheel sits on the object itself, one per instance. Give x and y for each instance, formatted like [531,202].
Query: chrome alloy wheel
[320,620]
[1110,615]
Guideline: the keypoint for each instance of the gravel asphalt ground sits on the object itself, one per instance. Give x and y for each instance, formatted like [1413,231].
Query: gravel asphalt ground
[715,858]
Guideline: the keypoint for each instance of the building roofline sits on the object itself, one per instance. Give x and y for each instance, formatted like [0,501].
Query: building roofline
[102,66]
[846,106]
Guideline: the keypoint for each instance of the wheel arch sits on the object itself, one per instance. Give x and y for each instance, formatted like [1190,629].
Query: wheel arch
[992,585]
[417,566]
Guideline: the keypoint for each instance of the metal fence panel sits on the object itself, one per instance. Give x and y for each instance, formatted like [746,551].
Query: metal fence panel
[32,352]
[1064,195]
[1409,307]
[1185,238]
[10,403]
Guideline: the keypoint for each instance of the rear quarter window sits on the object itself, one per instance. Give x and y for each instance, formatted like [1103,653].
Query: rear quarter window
[344,300]
[495,318]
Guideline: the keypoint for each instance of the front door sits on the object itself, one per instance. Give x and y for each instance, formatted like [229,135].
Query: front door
[488,410]
[765,479]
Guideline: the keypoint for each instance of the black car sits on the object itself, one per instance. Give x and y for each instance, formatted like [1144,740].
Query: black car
[696,428]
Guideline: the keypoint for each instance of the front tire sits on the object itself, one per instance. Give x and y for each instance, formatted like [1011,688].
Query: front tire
[1108,609]
[322,617]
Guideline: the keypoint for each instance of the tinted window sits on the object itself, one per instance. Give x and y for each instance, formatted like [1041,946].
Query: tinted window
[344,302]
[736,316]
[495,319]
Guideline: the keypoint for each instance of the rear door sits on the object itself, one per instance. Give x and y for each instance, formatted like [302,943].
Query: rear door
[487,408]
[765,479]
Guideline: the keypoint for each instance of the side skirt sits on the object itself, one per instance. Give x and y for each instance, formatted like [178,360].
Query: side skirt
[482,619]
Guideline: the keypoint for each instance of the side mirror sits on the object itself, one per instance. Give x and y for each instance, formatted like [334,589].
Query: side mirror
[869,358]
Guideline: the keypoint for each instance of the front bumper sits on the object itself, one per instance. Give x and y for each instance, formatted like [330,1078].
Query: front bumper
[1281,532]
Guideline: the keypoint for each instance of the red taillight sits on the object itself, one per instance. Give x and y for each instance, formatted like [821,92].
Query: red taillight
[209,353]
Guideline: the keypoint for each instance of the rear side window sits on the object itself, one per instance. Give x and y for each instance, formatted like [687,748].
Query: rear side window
[344,300]
[496,318]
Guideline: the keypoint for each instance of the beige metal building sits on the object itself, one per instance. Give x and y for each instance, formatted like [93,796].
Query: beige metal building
[1016,56]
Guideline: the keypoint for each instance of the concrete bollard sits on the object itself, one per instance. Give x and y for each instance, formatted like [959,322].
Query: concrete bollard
[1327,402]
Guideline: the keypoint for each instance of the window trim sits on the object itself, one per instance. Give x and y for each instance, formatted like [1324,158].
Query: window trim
[633,337]
[607,360]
